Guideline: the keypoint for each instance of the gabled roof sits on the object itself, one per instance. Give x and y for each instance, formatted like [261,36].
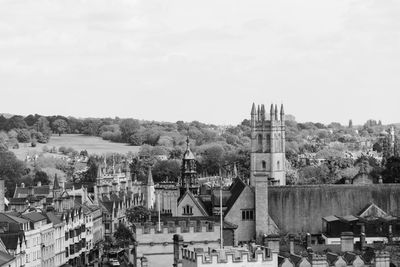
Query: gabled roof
[372,210]
[195,200]
[236,189]
[43,190]
[11,240]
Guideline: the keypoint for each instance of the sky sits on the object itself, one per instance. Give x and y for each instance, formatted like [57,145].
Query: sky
[208,60]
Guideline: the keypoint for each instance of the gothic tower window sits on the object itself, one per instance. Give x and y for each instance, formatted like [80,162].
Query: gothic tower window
[259,138]
[268,148]
[278,164]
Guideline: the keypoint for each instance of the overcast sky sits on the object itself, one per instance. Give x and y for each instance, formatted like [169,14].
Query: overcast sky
[208,60]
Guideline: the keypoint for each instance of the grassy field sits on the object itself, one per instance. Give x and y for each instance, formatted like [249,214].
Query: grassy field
[93,145]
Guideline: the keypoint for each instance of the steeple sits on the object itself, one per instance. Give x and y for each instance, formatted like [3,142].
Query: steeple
[258,113]
[262,112]
[271,112]
[56,185]
[150,181]
[188,179]
[253,109]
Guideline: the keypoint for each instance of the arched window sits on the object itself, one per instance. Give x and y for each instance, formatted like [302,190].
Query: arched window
[278,164]
[268,147]
[264,164]
[259,139]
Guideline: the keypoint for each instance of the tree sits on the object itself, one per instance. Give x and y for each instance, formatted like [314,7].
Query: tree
[3,141]
[392,170]
[41,176]
[60,126]
[137,214]
[166,168]
[24,136]
[42,126]
[16,122]
[11,170]
[128,127]
[123,235]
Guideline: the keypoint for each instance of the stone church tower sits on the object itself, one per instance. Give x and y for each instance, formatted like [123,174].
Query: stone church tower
[267,159]
[188,179]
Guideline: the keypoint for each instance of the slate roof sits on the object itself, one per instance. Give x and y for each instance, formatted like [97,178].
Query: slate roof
[236,189]
[10,240]
[5,257]
[34,216]
[54,218]
[43,190]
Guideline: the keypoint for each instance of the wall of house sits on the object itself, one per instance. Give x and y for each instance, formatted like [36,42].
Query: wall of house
[158,247]
[246,229]
[301,208]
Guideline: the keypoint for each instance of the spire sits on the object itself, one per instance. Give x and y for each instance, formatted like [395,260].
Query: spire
[235,171]
[271,112]
[282,113]
[262,112]
[56,185]
[258,113]
[188,153]
[253,109]
[276,112]
[150,181]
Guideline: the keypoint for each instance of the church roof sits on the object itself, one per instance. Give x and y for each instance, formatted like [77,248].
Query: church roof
[56,185]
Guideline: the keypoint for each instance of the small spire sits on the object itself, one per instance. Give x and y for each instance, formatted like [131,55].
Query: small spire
[187,142]
[271,112]
[150,178]
[262,112]
[56,185]
[258,113]
[282,111]
[253,109]
[276,112]
[235,171]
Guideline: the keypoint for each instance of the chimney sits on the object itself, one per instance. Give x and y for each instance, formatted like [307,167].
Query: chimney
[291,244]
[390,234]
[380,181]
[308,241]
[382,259]
[362,241]
[178,243]
[39,183]
[22,185]
[114,187]
[347,241]
[272,242]
[318,260]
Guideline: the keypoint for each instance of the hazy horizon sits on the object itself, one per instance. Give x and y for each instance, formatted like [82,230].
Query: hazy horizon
[326,61]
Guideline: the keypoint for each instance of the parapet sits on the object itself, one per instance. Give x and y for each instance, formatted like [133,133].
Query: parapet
[262,254]
[183,227]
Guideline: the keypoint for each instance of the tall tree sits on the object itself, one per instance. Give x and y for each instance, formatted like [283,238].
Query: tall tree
[128,127]
[60,126]
[11,170]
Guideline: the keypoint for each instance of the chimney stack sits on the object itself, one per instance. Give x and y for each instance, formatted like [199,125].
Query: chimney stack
[347,241]
[291,244]
[178,243]
[272,242]
[308,241]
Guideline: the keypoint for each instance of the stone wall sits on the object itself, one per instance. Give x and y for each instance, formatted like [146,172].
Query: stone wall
[298,209]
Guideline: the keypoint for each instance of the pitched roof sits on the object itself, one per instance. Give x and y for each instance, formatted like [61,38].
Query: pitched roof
[195,200]
[34,216]
[10,240]
[5,257]
[43,190]
[54,218]
[236,189]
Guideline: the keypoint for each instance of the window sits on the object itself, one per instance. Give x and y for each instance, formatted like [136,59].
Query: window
[268,148]
[259,137]
[278,165]
[247,215]
[264,165]
[187,210]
